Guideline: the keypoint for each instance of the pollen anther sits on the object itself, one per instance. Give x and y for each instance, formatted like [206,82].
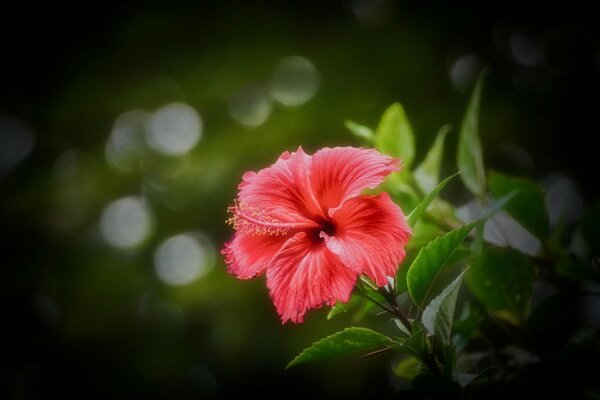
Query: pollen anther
[252,220]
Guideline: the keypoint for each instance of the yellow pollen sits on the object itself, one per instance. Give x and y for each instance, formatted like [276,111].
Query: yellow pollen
[252,220]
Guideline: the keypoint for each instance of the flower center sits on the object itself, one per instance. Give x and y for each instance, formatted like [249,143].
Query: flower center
[328,227]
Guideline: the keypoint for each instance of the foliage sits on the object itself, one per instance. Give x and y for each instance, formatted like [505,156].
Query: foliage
[441,327]
[347,341]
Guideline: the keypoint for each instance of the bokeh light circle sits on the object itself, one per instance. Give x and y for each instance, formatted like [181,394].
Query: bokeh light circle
[174,129]
[126,222]
[250,106]
[294,81]
[183,258]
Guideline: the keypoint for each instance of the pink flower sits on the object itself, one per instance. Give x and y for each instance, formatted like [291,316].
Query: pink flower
[304,221]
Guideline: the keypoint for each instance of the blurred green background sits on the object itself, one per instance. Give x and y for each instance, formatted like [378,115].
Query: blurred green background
[125,129]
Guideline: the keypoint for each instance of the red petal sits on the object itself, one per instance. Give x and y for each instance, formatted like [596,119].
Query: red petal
[247,256]
[283,190]
[371,233]
[306,275]
[341,173]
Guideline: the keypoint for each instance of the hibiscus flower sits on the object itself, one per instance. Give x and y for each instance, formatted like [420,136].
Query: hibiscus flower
[304,222]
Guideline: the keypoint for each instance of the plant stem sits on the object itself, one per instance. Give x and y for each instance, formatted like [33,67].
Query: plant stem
[395,307]
[390,296]
[432,365]
[364,292]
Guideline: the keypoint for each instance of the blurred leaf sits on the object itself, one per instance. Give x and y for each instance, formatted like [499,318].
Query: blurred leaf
[415,214]
[528,206]
[395,136]
[480,233]
[502,280]
[498,205]
[573,269]
[431,260]
[405,264]
[423,233]
[464,378]
[427,174]
[347,341]
[438,315]
[360,131]
[443,213]
[467,325]
[470,156]
[407,368]
[399,187]
[356,300]
[363,310]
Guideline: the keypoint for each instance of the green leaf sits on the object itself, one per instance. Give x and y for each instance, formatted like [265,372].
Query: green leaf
[427,174]
[360,131]
[460,254]
[416,345]
[528,206]
[356,300]
[439,314]
[448,357]
[415,214]
[470,156]
[431,260]
[347,341]
[395,136]
[502,280]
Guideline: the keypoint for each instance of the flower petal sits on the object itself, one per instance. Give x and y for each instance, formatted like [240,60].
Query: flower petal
[341,173]
[371,233]
[306,275]
[283,190]
[247,255]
